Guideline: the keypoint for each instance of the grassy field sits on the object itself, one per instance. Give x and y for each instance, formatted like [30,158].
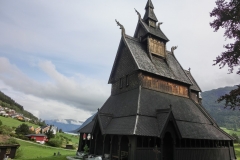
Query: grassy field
[231,131]
[237,150]
[74,138]
[13,122]
[32,151]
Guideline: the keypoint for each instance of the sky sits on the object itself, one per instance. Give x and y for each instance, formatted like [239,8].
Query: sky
[56,55]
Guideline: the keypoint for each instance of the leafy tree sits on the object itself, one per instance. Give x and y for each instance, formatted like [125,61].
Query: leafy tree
[49,133]
[227,14]
[236,137]
[23,129]
[60,131]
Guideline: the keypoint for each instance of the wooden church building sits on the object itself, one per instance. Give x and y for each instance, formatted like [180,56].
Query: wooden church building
[154,111]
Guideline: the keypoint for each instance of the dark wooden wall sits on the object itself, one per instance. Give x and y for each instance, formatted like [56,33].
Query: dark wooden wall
[202,154]
[164,86]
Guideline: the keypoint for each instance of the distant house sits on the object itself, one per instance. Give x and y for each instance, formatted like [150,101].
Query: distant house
[2,112]
[26,119]
[31,128]
[37,130]
[54,129]
[40,138]
[45,129]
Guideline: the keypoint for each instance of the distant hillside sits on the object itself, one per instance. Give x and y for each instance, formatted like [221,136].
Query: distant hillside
[224,117]
[6,101]
[66,125]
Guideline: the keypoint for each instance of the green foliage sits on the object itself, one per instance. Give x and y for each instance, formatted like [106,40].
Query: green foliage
[23,129]
[60,131]
[86,149]
[50,134]
[227,16]
[9,141]
[19,153]
[54,142]
[236,137]
[5,130]
[0,122]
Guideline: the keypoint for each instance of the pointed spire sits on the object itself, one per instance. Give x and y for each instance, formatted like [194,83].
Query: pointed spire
[149,14]
[149,5]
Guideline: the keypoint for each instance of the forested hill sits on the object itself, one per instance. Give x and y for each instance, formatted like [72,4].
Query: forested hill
[224,117]
[6,101]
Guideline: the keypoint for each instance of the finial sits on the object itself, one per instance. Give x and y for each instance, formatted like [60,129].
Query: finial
[139,15]
[159,23]
[189,69]
[121,27]
[173,48]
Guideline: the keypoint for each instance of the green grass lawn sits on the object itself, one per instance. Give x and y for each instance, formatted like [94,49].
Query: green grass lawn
[8,121]
[31,151]
[74,138]
[237,150]
[231,131]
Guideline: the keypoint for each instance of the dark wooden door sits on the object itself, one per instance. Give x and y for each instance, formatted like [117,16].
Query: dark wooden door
[167,147]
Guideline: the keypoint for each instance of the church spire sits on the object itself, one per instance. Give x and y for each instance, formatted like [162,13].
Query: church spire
[150,16]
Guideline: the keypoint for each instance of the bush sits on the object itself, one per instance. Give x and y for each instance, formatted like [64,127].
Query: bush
[20,136]
[54,142]
[5,130]
[19,153]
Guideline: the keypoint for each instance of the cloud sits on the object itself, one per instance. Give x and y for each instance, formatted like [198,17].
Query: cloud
[77,91]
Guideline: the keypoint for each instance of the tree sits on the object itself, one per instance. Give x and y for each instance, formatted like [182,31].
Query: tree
[23,129]
[227,14]
[49,133]
[60,130]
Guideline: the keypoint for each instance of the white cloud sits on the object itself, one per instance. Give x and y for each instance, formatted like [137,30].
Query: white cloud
[78,91]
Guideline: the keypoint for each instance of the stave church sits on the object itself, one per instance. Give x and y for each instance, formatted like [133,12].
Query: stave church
[154,111]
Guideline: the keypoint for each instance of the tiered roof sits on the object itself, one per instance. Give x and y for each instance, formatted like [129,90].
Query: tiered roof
[145,112]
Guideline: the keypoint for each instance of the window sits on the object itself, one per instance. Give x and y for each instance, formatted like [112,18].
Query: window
[127,80]
[120,83]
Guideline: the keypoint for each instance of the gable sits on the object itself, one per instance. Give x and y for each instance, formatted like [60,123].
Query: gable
[124,63]
[140,31]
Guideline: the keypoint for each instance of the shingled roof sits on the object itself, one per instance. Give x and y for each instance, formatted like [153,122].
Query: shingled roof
[194,86]
[169,67]
[134,113]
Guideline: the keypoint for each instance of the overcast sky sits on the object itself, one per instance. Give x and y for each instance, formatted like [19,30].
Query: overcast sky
[56,55]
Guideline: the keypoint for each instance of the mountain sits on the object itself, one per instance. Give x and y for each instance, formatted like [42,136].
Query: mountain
[223,116]
[84,124]
[65,124]
[6,101]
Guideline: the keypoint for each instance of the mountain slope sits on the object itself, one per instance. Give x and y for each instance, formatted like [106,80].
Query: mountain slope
[223,116]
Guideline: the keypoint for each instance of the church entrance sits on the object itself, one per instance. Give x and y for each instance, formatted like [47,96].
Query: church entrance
[168,147]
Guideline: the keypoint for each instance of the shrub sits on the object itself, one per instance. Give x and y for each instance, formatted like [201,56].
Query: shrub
[86,149]
[54,142]
[19,153]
